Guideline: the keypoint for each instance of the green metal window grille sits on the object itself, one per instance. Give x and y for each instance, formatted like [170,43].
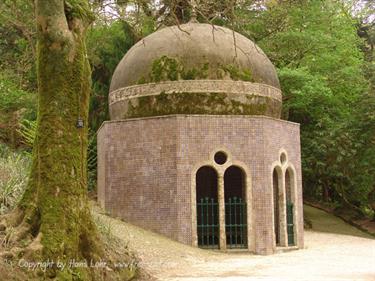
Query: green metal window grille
[290,223]
[235,223]
[208,223]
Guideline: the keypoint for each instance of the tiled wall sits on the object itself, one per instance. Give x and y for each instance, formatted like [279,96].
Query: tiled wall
[146,167]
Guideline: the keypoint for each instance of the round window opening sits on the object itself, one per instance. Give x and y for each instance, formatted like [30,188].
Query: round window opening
[282,158]
[220,157]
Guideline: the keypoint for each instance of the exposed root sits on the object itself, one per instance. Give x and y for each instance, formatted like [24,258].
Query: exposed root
[19,243]
[22,232]
[7,255]
[21,238]
[6,238]
[34,248]
[16,230]
[11,219]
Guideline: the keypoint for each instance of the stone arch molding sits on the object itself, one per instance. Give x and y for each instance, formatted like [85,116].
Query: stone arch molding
[220,170]
[282,165]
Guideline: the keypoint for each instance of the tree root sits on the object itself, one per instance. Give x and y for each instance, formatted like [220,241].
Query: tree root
[17,228]
[18,243]
[34,249]
[11,219]
[21,238]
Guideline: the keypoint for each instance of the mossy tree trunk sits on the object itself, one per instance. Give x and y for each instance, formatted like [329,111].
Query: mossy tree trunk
[54,211]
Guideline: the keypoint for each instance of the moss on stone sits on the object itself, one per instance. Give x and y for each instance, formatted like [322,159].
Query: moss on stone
[171,69]
[199,103]
[236,73]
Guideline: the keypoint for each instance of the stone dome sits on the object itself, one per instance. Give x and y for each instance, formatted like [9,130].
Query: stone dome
[174,59]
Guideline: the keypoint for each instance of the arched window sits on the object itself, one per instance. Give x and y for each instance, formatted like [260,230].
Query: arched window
[276,204]
[207,207]
[235,207]
[289,206]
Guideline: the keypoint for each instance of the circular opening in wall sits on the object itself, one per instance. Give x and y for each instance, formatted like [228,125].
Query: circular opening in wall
[283,158]
[220,157]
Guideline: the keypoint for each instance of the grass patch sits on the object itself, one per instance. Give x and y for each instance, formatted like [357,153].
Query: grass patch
[14,171]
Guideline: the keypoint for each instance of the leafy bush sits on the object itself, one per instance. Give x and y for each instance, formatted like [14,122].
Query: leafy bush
[14,171]
[106,45]
[15,105]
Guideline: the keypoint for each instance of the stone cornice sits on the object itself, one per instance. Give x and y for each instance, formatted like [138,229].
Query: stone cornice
[196,86]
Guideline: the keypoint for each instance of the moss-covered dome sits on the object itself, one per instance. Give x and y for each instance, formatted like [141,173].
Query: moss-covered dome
[194,45]
[194,51]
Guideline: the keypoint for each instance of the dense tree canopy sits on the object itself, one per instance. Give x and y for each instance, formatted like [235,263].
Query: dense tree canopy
[321,66]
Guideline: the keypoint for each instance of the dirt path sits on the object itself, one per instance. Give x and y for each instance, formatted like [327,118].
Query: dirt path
[327,256]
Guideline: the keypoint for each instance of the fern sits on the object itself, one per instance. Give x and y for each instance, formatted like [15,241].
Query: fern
[28,132]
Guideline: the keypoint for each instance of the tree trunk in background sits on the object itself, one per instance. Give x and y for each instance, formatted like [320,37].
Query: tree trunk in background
[325,193]
[54,211]
[371,199]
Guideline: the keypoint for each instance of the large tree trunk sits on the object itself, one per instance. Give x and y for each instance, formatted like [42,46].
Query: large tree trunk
[54,211]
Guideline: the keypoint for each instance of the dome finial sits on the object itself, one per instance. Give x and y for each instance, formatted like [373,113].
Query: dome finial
[193,17]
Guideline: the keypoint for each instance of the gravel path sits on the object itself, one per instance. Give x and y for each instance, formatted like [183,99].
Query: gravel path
[327,256]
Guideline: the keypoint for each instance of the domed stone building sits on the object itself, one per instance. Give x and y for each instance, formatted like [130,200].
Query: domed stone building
[195,149]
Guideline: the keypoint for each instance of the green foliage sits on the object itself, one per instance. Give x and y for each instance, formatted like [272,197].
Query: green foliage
[317,50]
[12,98]
[18,72]
[306,96]
[14,167]
[15,105]
[17,42]
[106,46]
[28,132]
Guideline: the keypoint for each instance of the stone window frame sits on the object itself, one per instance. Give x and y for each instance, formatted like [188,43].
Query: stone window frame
[220,170]
[281,169]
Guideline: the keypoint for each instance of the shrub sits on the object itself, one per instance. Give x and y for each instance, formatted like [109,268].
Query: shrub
[15,105]
[14,171]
